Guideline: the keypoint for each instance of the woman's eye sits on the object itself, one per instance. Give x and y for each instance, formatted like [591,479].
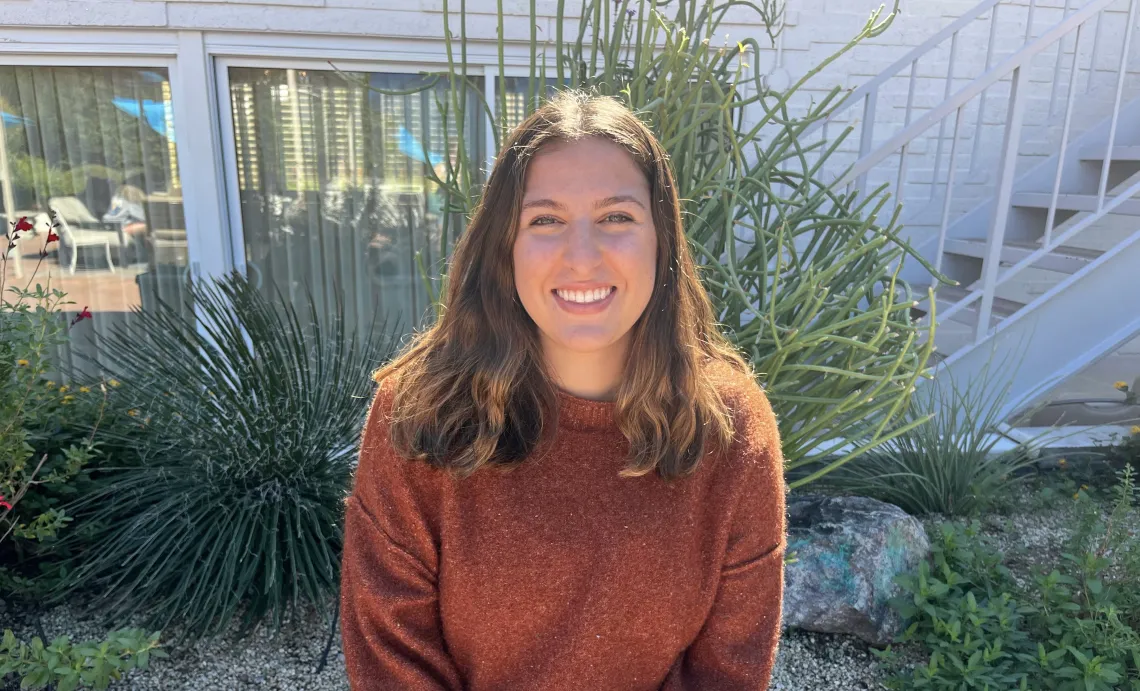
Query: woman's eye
[543,221]
[618,217]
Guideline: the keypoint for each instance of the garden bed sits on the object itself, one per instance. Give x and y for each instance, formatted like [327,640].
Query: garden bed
[1029,525]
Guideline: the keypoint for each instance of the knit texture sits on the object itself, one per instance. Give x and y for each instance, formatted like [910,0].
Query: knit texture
[561,575]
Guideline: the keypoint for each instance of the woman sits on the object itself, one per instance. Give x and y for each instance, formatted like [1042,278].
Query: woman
[572,480]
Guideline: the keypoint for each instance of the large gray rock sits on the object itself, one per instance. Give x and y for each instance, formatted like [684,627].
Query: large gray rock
[848,550]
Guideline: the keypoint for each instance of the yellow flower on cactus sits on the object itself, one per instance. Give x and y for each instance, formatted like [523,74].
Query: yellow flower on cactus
[133,412]
[22,362]
[50,384]
[63,389]
[114,382]
[68,399]
[1135,429]
[1084,486]
[1120,386]
[85,389]
[1077,495]
[1062,463]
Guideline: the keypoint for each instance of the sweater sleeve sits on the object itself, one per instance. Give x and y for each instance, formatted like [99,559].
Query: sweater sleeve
[390,620]
[736,648]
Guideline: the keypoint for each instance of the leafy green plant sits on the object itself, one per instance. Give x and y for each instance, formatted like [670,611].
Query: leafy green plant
[248,423]
[804,277]
[64,666]
[949,464]
[1075,627]
[30,329]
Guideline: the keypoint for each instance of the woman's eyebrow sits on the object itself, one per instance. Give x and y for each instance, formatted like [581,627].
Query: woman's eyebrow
[544,203]
[559,206]
[618,199]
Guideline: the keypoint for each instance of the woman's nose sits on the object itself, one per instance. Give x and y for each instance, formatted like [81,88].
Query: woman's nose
[582,246]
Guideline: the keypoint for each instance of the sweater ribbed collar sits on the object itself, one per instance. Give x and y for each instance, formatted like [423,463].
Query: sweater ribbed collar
[583,414]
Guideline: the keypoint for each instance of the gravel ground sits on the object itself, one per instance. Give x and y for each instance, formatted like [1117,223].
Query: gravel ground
[819,662]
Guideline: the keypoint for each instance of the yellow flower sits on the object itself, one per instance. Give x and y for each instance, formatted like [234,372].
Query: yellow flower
[68,399]
[1084,486]
[1135,429]
[114,382]
[63,389]
[22,362]
[85,389]
[1077,495]
[132,412]
[50,384]
[1062,462]
[1120,385]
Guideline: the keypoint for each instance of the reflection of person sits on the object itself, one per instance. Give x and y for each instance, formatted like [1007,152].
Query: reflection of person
[637,541]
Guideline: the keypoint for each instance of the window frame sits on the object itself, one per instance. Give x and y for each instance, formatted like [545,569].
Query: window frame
[198,62]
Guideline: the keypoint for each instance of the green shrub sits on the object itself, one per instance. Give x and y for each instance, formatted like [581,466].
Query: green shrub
[1077,627]
[944,460]
[31,467]
[247,428]
[64,667]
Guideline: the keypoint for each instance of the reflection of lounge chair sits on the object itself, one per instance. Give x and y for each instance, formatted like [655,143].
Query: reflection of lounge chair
[78,228]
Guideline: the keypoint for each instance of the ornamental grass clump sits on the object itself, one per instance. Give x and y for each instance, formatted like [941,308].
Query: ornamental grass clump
[248,423]
[949,465]
[804,277]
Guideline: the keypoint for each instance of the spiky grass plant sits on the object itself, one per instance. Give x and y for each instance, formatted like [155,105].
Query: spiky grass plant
[804,276]
[951,465]
[248,423]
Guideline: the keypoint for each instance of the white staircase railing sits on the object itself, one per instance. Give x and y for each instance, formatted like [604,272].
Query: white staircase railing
[912,157]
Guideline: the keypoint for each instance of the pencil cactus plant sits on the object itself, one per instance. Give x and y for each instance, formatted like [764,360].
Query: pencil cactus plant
[804,276]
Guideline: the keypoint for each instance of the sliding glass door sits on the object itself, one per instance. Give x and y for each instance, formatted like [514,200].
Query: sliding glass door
[332,173]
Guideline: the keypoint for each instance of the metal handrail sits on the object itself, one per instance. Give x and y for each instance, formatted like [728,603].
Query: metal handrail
[1014,67]
[968,92]
[911,56]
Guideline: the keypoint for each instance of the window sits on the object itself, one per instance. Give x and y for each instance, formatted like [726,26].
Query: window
[332,177]
[96,146]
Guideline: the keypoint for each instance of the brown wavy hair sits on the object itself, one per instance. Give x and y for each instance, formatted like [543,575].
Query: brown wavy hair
[473,389]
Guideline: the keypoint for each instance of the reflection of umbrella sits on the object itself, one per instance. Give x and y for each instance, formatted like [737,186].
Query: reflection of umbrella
[153,111]
[10,119]
[413,149]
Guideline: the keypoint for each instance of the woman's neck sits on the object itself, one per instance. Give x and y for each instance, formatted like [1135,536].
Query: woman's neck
[593,375]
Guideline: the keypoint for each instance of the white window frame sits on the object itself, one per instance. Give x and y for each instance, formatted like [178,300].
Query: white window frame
[198,62]
[167,50]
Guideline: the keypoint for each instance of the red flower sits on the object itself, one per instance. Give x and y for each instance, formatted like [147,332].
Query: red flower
[5,504]
[81,316]
[52,237]
[23,224]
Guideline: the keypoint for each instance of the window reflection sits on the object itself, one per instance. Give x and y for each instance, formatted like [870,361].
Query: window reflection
[96,145]
[334,186]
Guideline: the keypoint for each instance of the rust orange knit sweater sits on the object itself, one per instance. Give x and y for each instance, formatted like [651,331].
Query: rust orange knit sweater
[562,576]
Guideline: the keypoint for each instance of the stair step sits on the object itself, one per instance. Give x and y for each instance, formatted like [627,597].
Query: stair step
[1130,152]
[1073,202]
[947,296]
[1067,260]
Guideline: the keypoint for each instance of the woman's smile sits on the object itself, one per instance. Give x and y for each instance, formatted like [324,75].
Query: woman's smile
[584,301]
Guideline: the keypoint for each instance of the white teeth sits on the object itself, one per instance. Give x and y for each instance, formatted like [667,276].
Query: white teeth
[584,296]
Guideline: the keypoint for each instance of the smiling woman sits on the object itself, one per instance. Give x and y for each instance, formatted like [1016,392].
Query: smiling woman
[571,480]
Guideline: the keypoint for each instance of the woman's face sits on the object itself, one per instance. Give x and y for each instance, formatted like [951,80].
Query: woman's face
[586,252]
